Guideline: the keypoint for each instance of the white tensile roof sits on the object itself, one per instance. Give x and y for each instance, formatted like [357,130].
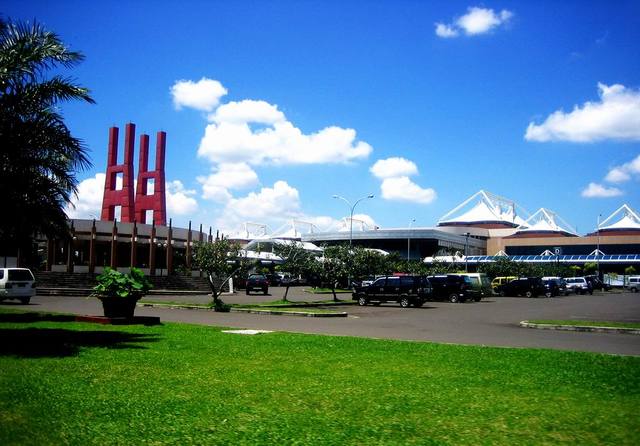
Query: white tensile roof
[295,229]
[485,207]
[546,220]
[629,219]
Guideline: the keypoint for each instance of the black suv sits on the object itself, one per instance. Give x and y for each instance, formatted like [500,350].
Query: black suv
[258,282]
[406,290]
[454,287]
[524,286]
[555,287]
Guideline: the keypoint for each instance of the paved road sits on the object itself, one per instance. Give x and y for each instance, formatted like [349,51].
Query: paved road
[491,322]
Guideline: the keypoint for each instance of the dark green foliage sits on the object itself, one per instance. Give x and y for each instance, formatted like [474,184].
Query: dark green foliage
[112,283]
[590,268]
[630,270]
[38,154]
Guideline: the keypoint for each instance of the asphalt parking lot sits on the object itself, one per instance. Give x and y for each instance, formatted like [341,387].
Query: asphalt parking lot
[493,321]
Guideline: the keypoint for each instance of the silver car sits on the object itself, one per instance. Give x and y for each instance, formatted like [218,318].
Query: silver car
[17,283]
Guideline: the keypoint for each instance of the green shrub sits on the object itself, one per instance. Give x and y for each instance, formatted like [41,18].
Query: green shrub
[112,283]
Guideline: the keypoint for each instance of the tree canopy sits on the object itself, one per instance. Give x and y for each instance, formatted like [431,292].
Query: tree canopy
[38,155]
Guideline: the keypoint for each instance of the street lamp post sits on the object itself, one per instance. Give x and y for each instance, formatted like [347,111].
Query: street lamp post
[413,220]
[598,247]
[352,208]
[466,244]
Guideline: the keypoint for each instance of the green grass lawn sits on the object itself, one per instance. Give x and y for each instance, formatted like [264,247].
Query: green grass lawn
[63,382]
[589,323]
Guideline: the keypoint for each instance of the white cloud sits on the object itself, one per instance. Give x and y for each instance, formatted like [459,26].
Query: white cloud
[279,203]
[393,167]
[616,116]
[403,189]
[227,176]
[180,201]
[396,185]
[247,111]
[481,20]
[475,21]
[595,190]
[256,132]
[624,172]
[445,31]
[88,202]
[202,95]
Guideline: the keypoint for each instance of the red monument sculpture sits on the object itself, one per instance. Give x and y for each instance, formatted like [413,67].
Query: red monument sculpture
[114,196]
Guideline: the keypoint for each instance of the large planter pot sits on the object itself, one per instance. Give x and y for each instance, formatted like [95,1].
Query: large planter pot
[119,306]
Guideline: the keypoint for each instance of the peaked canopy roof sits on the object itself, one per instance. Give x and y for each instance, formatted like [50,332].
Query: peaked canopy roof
[485,208]
[627,219]
[545,221]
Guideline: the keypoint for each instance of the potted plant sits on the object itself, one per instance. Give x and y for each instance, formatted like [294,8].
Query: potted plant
[120,292]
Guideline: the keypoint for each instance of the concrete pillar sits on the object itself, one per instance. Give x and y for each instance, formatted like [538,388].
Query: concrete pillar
[134,244]
[188,250]
[92,249]
[170,250]
[152,251]
[113,260]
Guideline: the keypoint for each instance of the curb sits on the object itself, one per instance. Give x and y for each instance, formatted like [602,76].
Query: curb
[287,313]
[581,328]
[245,310]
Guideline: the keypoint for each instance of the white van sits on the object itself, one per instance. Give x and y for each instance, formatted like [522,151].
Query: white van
[17,283]
[634,283]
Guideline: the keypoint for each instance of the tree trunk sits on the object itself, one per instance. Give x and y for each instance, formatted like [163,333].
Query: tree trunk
[286,292]
[214,292]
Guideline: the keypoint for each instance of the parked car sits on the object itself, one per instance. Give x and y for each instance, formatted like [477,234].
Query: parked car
[597,284]
[406,290]
[452,287]
[279,279]
[560,286]
[634,284]
[365,281]
[17,283]
[524,286]
[481,284]
[579,285]
[501,280]
[257,282]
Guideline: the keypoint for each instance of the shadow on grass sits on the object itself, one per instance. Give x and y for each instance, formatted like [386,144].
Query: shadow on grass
[36,317]
[49,342]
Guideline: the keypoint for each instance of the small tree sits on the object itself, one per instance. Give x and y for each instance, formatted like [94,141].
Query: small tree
[296,260]
[333,267]
[219,260]
[366,262]
[590,268]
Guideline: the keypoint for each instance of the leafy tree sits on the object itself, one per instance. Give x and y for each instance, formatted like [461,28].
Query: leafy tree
[367,262]
[296,260]
[590,268]
[629,270]
[220,260]
[38,154]
[333,267]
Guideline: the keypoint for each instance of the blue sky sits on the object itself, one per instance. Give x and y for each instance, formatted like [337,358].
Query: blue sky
[271,108]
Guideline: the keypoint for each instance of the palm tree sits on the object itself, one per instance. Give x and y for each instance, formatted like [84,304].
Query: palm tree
[38,154]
